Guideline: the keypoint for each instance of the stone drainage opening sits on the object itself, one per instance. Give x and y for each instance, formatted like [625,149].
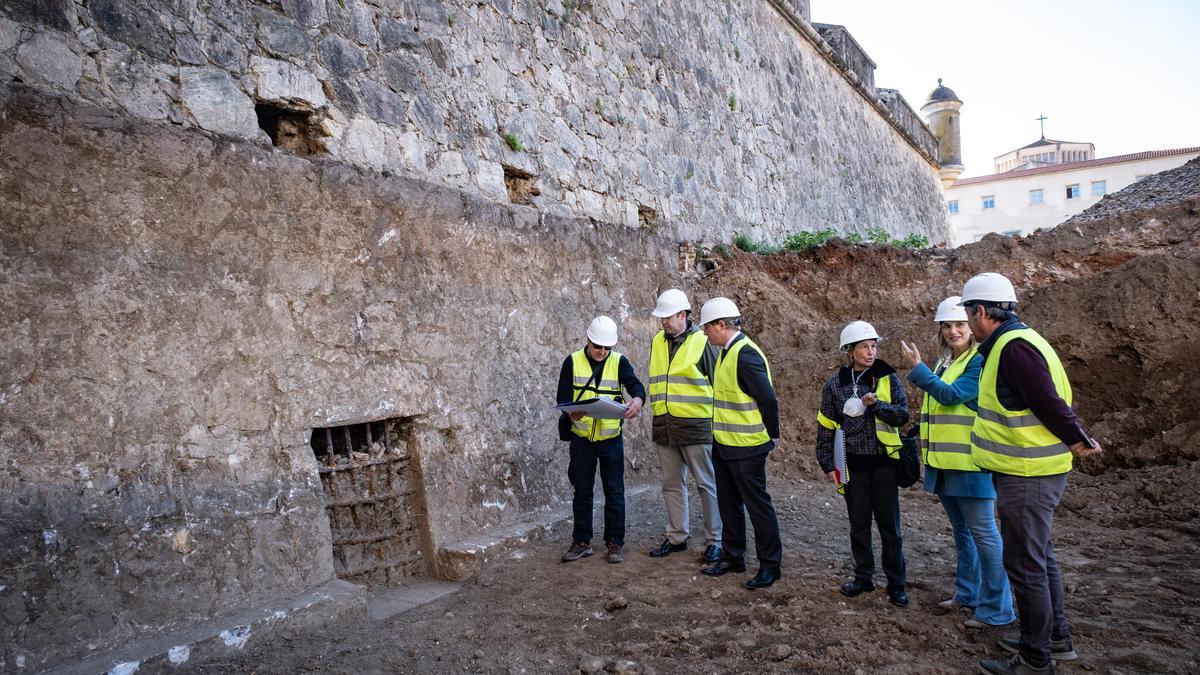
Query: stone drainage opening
[647,217]
[521,185]
[372,497]
[294,129]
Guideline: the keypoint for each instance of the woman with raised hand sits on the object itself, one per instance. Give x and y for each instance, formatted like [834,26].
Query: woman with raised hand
[966,493]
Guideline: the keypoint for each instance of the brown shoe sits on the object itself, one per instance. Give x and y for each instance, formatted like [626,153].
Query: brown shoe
[614,553]
[578,550]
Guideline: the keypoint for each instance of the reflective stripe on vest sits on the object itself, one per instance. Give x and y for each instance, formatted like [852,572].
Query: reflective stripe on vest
[1015,442]
[737,420]
[679,388]
[946,429]
[608,387]
[887,434]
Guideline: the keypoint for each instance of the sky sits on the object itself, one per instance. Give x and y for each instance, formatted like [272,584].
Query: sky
[1122,75]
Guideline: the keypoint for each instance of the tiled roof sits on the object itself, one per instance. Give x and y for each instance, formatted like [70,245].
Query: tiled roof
[1068,166]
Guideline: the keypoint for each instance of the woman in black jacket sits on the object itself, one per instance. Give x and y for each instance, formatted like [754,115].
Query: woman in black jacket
[865,402]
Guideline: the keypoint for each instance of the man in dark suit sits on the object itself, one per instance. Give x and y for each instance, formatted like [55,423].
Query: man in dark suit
[745,430]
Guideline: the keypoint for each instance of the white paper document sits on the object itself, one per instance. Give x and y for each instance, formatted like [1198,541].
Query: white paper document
[839,456]
[599,408]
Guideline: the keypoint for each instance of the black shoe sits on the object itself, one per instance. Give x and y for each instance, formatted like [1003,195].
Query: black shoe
[667,548]
[712,554]
[724,567]
[898,598]
[853,589]
[764,578]
[1060,650]
[1013,665]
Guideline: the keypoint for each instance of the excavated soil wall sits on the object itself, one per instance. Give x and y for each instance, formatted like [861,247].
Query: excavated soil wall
[1116,291]
[182,311]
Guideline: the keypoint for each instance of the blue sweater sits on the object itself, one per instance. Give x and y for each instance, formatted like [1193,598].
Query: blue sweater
[965,391]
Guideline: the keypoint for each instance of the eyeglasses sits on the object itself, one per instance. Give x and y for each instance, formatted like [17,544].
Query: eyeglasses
[593,345]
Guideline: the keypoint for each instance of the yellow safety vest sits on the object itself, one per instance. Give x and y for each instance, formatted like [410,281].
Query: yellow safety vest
[679,388]
[946,429]
[887,434]
[609,386]
[1015,442]
[737,421]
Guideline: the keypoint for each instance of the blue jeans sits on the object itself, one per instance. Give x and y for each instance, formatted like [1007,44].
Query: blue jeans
[980,580]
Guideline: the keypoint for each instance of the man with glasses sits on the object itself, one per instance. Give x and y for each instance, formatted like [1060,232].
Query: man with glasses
[596,371]
[1025,434]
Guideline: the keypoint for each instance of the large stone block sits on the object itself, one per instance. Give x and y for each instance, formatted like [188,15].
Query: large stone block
[10,34]
[342,57]
[281,81]
[56,14]
[382,103]
[395,35]
[364,143]
[307,13]
[136,86]
[280,36]
[137,23]
[47,59]
[217,103]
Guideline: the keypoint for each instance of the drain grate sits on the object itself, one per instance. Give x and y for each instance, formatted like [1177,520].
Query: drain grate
[372,500]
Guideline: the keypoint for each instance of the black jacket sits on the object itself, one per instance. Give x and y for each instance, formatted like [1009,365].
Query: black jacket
[625,375]
[753,380]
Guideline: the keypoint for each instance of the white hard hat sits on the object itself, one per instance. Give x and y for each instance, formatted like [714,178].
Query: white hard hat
[602,331]
[857,331]
[718,308]
[951,309]
[988,287]
[671,302]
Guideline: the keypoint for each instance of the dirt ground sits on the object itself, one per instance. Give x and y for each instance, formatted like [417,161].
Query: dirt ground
[1128,561]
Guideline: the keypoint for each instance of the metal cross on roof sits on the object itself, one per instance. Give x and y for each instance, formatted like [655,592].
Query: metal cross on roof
[1042,120]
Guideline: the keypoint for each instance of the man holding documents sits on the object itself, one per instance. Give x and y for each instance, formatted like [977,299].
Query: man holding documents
[597,372]
[681,396]
[745,428]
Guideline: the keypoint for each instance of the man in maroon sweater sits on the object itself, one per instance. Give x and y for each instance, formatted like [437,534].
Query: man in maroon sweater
[1022,372]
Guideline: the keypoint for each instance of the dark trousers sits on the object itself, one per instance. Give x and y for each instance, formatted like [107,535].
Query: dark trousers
[1026,509]
[873,492]
[610,456]
[743,482]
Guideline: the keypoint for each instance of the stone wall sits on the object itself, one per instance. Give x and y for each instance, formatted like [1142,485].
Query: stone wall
[186,302]
[182,310]
[703,117]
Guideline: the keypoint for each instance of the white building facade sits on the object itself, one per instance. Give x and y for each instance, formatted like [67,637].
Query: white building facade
[1019,202]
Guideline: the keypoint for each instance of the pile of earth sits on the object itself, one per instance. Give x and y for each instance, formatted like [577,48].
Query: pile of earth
[1118,297]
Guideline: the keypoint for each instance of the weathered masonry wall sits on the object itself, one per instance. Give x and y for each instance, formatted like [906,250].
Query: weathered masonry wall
[181,310]
[703,117]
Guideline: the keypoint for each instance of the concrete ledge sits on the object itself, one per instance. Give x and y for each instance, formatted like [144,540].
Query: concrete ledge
[463,559]
[220,636]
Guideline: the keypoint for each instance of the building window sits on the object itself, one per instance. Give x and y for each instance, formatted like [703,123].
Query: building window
[989,202]
[1099,189]
[1073,191]
[1035,196]
[953,206]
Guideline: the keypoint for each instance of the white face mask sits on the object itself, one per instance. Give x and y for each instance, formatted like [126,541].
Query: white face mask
[853,407]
